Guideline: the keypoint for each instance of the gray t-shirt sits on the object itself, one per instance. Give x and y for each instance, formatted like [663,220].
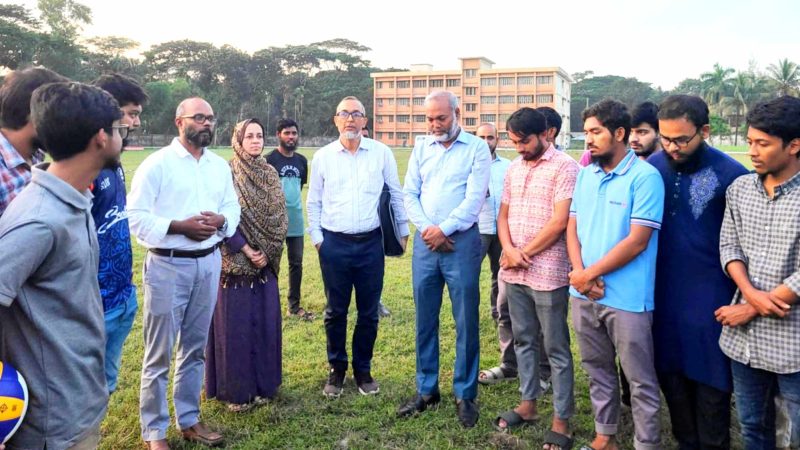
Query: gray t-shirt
[51,314]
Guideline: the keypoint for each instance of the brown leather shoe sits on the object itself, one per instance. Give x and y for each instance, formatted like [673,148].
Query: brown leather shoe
[160,444]
[202,435]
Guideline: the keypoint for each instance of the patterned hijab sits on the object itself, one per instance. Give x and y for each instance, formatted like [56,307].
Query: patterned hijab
[263,221]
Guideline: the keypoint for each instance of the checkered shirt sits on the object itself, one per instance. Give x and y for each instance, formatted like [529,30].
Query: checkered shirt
[764,233]
[15,173]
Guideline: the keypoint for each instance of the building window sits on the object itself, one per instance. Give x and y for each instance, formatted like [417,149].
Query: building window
[503,117]
[470,107]
[385,84]
[419,101]
[470,121]
[488,81]
[402,135]
[405,84]
[524,99]
[405,101]
[488,99]
[453,82]
[390,135]
[506,99]
[503,136]
[403,118]
[488,118]
[470,73]
[525,81]
[390,102]
[379,135]
[391,119]
[380,102]
[470,91]
[419,118]
[544,79]
[380,119]
[437,83]
[506,81]
[544,98]
[420,83]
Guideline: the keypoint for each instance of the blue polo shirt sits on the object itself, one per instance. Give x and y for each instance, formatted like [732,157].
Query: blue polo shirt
[605,206]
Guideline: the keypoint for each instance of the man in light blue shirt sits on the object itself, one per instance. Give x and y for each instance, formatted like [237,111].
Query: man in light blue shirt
[445,188]
[612,238]
[347,178]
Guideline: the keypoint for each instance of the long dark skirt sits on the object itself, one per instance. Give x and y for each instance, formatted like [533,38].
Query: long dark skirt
[243,355]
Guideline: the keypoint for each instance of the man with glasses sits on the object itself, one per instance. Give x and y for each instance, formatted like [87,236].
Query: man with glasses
[115,274]
[347,177]
[445,188]
[693,373]
[181,206]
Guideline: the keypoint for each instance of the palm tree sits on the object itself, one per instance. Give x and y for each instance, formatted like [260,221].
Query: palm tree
[748,88]
[787,75]
[716,85]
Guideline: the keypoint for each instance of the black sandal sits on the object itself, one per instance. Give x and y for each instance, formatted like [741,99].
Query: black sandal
[562,441]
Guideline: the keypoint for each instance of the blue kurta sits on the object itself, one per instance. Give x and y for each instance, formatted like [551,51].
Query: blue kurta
[690,283]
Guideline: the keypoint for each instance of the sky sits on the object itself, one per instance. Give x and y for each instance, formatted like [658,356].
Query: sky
[658,41]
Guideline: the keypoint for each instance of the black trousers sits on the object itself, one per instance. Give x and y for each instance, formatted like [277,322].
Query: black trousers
[349,262]
[294,250]
[700,414]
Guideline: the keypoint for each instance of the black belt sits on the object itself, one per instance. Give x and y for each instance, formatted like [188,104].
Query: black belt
[184,253]
[356,237]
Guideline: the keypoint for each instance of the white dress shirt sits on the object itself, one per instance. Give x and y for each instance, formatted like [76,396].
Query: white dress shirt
[172,185]
[345,188]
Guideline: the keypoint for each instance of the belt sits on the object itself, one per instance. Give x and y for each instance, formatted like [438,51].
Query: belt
[184,253]
[356,237]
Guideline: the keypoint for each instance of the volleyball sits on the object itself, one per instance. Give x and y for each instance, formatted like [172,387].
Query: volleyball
[13,401]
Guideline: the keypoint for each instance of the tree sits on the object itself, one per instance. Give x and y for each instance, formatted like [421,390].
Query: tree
[747,89]
[719,127]
[65,18]
[689,86]
[107,54]
[591,90]
[716,85]
[787,76]
[18,36]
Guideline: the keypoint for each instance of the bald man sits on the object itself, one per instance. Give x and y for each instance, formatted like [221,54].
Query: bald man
[182,204]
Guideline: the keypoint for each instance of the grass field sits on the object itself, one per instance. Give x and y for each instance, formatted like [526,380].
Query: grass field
[301,418]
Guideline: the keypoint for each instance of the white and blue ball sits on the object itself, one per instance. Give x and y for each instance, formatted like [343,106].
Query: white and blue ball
[13,401]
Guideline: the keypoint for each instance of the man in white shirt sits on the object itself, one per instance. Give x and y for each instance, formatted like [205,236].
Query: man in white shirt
[181,205]
[347,177]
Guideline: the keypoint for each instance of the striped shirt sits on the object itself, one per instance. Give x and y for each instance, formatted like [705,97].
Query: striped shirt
[15,172]
[764,233]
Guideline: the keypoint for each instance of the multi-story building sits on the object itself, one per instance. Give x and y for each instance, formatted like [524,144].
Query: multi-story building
[485,94]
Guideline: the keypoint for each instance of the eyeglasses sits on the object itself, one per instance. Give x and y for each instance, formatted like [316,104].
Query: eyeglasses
[355,115]
[680,142]
[201,118]
[123,130]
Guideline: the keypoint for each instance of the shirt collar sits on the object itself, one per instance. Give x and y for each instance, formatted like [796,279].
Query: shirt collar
[181,151]
[11,156]
[361,145]
[623,167]
[782,189]
[60,188]
[460,138]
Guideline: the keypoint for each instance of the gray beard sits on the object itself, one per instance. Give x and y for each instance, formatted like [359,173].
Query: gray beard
[351,135]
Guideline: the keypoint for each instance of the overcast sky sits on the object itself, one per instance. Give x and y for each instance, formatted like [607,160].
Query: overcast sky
[656,41]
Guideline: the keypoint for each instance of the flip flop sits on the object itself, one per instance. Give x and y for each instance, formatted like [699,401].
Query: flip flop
[562,441]
[202,435]
[513,420]
[494,375]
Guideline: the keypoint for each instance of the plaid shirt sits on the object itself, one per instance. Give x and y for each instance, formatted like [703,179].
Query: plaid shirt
[764,233]
[15,172]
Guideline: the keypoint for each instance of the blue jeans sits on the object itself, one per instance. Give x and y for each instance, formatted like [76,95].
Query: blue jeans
[119,321]
[460,270]
[755,391]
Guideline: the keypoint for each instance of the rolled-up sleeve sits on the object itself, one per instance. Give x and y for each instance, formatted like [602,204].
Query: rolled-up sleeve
[145,225]
[314,201]
[730,248]
[412,190]
[466,213]
[17,266]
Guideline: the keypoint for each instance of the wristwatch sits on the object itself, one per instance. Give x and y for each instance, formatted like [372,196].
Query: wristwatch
[224,224]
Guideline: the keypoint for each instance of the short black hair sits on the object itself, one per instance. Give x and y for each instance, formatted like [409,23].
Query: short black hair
[552,116]
[689,107]
[286,123]
[611,114]
[125,89]
[645,112]
[526,121]
[777,117]
[68,114]
[15,94]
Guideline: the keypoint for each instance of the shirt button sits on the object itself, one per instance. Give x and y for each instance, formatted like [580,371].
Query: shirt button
[766,227]
[755,279]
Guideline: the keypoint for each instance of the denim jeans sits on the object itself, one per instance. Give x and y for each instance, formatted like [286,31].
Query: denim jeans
[119,322]
[755,391]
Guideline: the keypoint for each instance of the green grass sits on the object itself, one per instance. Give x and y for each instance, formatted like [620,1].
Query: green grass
[301,418]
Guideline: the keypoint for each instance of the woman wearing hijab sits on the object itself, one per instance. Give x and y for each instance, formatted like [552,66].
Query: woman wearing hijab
[244,344]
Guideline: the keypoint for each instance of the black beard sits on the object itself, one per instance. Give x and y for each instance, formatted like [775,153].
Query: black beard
[691,162]
[602,160]
[201,138]
[536,154]
[289,147]
[645,152]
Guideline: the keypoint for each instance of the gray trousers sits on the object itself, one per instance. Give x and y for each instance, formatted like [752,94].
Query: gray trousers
[490,246]
[532,311]
[179,299]
[603,333]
